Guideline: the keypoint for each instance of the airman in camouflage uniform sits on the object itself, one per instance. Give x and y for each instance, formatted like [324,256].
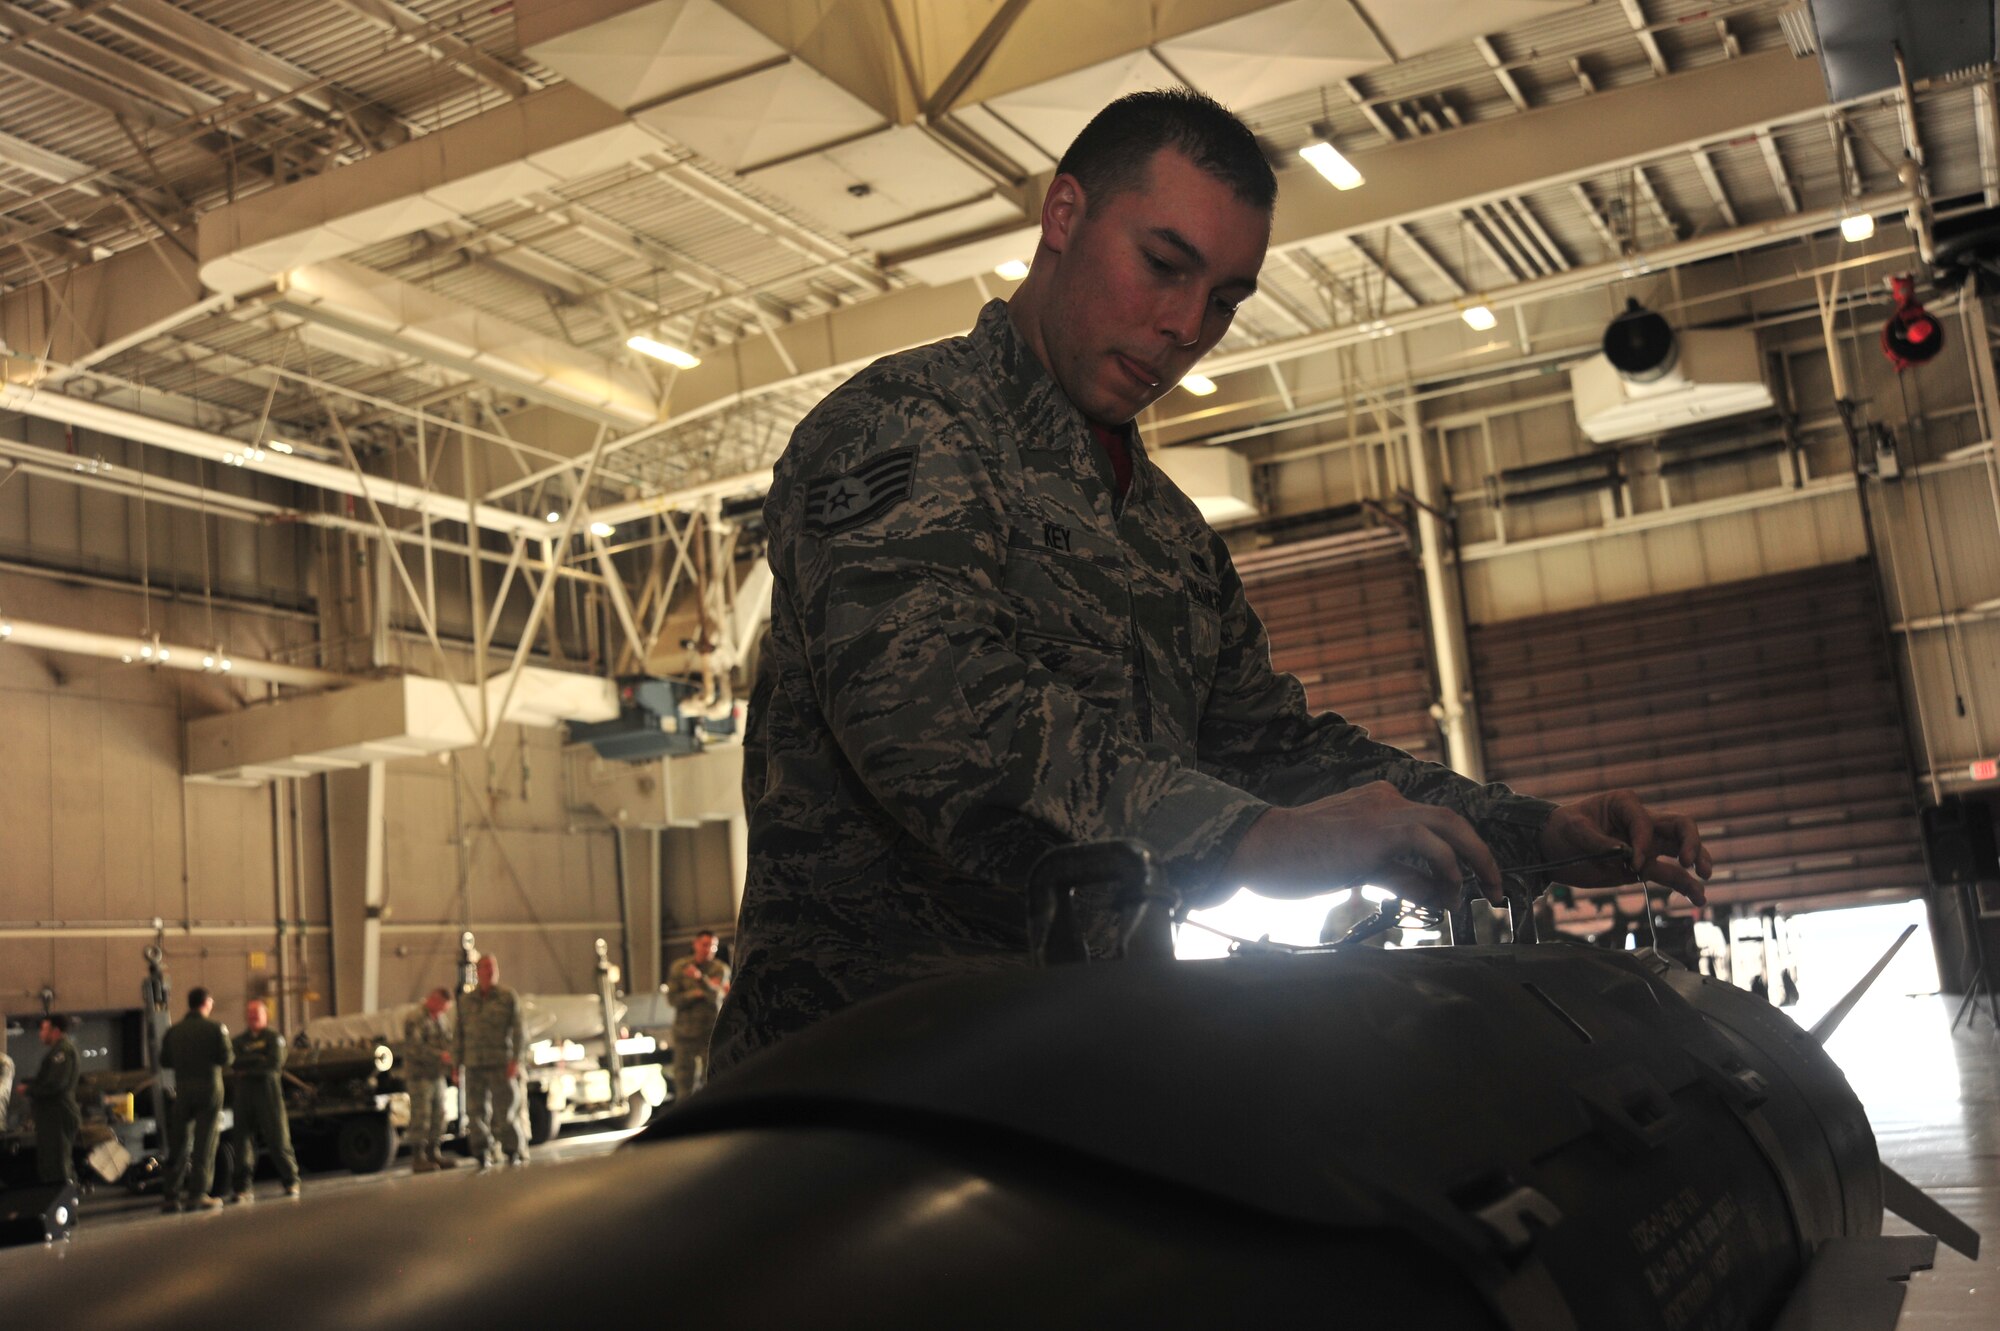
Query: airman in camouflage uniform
[53,1093]
[260,1103]
[695,986]
[986,643]
[197,1050]
[495,1041]
[426,1063]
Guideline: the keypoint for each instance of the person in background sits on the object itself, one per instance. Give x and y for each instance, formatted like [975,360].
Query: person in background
[426,1063]
[197,1050]
[260,1103]
[6,1083]
[695,987]
[495,1042]
[53,1092]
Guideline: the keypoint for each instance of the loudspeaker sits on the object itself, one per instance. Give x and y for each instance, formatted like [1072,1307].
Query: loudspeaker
[1959,842]
[39,1213]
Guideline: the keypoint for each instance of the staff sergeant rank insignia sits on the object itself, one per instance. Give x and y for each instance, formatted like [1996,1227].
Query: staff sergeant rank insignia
[851,498]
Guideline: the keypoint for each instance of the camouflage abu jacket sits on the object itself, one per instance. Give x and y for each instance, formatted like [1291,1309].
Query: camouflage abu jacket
[977,655]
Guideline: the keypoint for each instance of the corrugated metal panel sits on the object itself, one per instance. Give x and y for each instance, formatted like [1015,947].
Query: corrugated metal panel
[1347,616]
[1767,710]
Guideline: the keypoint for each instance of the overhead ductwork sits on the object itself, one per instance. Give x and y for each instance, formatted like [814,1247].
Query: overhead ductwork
[368,304]
[1216,479]
[529,144]
[705,787]
[48,405]
[377,721]
[151,651]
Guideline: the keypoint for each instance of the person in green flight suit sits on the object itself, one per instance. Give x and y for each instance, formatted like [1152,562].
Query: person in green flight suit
[260,1103]
[196,1049]
[53,1093]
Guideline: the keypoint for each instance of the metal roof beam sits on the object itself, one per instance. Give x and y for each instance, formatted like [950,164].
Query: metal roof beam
[1552,145]
[1706,166]
[1508,83]
[414,29]
[1776,162]
[1635,14]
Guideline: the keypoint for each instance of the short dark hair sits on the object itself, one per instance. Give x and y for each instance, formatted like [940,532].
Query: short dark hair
[59,1021]
[706,933]
[196,997]
[1115,149]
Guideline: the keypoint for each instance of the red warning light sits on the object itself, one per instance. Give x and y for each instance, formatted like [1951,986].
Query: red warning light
[1986,769]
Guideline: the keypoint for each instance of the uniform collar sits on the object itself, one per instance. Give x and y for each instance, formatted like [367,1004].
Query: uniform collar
[1044,411]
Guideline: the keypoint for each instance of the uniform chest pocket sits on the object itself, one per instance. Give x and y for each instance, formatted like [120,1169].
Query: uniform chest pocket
[1073,615]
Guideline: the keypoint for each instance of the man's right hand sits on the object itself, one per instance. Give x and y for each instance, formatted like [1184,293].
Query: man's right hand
[1369,835]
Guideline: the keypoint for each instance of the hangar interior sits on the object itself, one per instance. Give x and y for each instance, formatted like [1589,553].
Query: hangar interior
[387,383]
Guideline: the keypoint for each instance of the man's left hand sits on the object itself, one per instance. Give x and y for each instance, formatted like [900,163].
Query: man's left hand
[1663,848]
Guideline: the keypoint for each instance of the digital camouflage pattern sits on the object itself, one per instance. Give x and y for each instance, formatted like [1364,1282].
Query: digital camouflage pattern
[494,1033]
[426,1046]
[976,655]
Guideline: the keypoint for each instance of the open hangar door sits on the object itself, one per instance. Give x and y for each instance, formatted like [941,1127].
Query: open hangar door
[1346,614]
[1766,709]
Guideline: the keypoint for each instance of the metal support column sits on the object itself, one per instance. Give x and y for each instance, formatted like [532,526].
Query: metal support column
[356,822]
[1459,719]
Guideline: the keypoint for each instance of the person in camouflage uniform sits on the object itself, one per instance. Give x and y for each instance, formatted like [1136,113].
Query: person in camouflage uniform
[197,1050]
[426,1063]
[53,1093]
[260,1103]
[998,628]
[695,986]
[495,1042]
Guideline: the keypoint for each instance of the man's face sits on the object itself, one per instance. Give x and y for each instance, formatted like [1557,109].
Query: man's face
[256,1016]
[704,947]
[489,971]
[49,1033]
[435,1004]
[1148,281]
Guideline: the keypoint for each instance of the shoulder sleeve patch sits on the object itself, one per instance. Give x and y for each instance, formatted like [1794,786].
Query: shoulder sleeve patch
[837,502]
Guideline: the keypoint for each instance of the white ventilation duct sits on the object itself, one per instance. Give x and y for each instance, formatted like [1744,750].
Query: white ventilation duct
[532,143]
[1718,375]
[168,655]
[1216,479]
[377,721]
[220,448]
[705,787]
[372,305]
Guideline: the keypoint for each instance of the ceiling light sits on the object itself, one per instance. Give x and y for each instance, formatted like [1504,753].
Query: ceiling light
[554,516]
[225,663]
[1013,270]
[1198,384]
[1478,318]
[1857,227]
[1326,160]
[6,629]
[658,350]
[601,529]
[208,661]
[280,446]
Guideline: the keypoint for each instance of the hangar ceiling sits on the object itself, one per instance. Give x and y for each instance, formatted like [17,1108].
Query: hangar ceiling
[787,191]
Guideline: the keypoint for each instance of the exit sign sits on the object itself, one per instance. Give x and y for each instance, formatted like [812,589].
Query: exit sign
[1986,769]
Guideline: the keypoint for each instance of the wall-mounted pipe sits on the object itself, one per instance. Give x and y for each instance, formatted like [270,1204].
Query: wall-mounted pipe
[151,651]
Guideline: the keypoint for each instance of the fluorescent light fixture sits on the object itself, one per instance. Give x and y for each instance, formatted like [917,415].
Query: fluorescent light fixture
[280,446]
[601,529]
[658,350]
[1013,270]
[1479,318]
[1198,384]
[1857,227]
[1326,160]
[554,516]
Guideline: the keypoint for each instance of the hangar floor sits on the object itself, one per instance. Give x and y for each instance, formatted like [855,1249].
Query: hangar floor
[1932,1094]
